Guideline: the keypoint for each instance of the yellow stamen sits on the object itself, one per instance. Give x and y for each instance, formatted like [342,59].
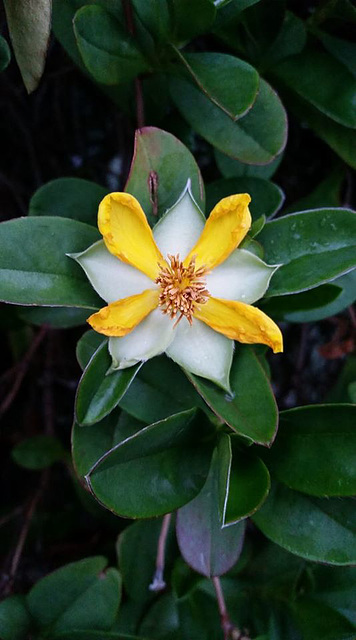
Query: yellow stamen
[182,288]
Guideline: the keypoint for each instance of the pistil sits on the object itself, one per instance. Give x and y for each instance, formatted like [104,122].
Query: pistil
[182,288]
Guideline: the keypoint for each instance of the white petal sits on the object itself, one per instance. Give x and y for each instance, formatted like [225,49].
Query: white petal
[111,278]
[202,351]
[243,277]
[180,227]
[150,338]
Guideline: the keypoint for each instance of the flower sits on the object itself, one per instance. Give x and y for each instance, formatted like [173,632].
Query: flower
[183,288]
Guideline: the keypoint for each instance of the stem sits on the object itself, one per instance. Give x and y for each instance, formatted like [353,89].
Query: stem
[21,370]
[158,583]
[230,631]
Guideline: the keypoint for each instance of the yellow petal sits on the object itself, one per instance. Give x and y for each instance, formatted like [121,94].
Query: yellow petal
[119,318]
[127,234]
[225,228]
[240,321]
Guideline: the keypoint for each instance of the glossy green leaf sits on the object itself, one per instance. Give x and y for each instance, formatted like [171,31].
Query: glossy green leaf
[341,139]
[251,411]
[87,345]
[159,390]
[15,620]
[80,596]
[160,169]
[317,620]
[320,529]
[295,308]
[108,51]
[69,198]
[220,77]
[324,82]
[60,317]
[247,487]
[38,452]
[44,274]
[343,50]
[5,54]
[290,40]
[137,562]
[29,26]
[257,138]
[207,547]
[127,479]
[313,248]
[161,620]
[155,16]
[99,390]
[326,194]
[191,19]
[335,586]
[90,444]
[314,450]
[266,197]
[231,168]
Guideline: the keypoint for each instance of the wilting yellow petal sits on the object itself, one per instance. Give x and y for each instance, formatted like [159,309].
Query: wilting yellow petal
[225,228]
[127,233]
[119,318]
[240,321]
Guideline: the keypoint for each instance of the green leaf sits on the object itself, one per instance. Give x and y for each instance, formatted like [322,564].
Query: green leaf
[160,169]
[251,411]
[266,197]
[90,444]
[161,620]
[128,478]
[15,620]
[97,635]
[108,51]
[159,389]
[247,486]
[317,620]
[136,560]
[313,248]
[155,16]
[290,40]
[231,168]
[43,274]
[29,26]
[204,544]
[191,19]
[317,529]
[79,596]
[343,50]
[70,198]
[87,345]
[5,54]
[61,317]
[100,391]
[341,391]
[313,452]
[326,194]
[220,77]
[297,307]
[256,138]
[324,82]
[38,452]
[335,586]
[341,139]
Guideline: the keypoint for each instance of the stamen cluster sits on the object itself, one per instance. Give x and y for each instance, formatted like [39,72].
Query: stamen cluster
[182,288]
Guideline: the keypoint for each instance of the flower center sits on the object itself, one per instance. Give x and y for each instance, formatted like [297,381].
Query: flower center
[182,288]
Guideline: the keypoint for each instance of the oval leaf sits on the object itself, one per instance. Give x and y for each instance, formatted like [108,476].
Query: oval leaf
[314,450]
[313,528]
[43,274]
[254,139]
[266,197]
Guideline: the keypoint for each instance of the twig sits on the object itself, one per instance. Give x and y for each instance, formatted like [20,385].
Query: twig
[22,369]
[29,512]
[158,583]
[230,631]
